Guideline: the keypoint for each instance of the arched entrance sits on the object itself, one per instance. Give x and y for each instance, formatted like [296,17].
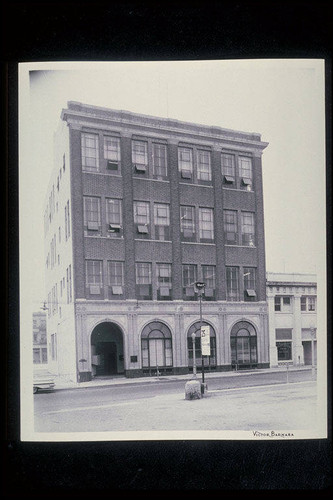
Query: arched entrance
[209,361]
[243,342]
[156,348]
[107,349]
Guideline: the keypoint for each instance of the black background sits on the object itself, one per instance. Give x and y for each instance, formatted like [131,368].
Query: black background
[120,31]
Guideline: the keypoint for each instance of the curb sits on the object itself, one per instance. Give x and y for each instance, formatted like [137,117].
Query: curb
[173,378]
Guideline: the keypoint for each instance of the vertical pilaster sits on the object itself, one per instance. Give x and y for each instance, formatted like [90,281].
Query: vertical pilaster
[271,331]
[226,338]
[76,214]
[175,222]
[220,347]
[219,230]
[128,218]
[183,359]
[298,354]
[260,234]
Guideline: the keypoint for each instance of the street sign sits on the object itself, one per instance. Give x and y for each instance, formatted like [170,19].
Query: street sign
[205,340]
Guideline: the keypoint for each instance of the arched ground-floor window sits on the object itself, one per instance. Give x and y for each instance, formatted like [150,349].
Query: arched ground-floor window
[209,361]
[156,348]
[243,342]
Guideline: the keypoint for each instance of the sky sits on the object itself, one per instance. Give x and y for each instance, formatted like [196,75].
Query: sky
[283,100]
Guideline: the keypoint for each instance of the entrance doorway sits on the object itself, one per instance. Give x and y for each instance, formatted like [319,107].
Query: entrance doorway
[107,350]
[307,350]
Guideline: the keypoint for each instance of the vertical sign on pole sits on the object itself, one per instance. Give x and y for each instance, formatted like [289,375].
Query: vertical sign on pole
[205,340]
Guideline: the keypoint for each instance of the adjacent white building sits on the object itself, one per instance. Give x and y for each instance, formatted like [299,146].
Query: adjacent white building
[292,306]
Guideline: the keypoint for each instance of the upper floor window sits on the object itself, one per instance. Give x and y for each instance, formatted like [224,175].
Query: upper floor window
[116,277]
[114,217]
[308,303]
[160,169]
[66,231]
[89,151]
[208,276]
[162,221]
[185,162]
[204,171]
[228,168]
[249,277]
[245,172]
[282,303]
[140,155]
[69,286]
[91,215]
[187,223]
[189,279]
[164,283]
[230,227]
[112,152]
[247,219]
[143,280]
[68,220]
[206,224]
[232,283]
[94,276]
[142,218]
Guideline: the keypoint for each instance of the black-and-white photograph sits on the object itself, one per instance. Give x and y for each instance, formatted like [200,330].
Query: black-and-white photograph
[172,221]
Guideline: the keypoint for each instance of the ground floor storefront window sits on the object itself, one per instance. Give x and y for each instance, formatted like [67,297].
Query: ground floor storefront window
[284,351]
[243,343]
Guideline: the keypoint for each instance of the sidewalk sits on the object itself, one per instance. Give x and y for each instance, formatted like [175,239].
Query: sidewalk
[61,384]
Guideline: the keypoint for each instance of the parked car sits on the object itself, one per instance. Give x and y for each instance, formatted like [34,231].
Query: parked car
[43,380]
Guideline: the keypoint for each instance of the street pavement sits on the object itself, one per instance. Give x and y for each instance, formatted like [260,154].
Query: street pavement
[286,409]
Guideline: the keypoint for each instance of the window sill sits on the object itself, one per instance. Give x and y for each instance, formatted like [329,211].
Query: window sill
[196,184]
[151,179]
[146,239]
[239,246]
[197,243]
[103,173]
[238,189]
[113,238]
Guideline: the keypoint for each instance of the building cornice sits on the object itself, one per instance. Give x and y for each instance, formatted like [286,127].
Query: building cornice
[174,130]
[291,283]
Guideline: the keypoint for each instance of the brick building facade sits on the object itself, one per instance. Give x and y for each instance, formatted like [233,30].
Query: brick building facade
[138,210]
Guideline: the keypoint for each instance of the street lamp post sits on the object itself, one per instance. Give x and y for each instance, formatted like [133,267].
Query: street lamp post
[194,360]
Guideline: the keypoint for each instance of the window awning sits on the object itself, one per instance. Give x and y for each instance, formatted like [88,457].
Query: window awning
[186,174]
[92,226]
[115,228]
[112,165]
[94,289]
[140,168]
